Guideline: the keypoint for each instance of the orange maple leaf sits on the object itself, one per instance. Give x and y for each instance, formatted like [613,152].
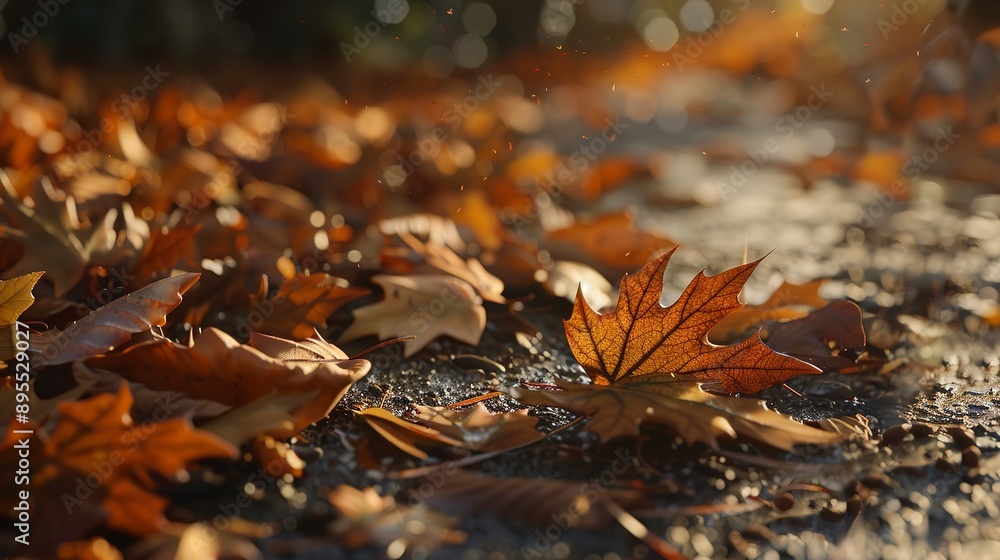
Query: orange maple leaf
[643,337]
[96,440]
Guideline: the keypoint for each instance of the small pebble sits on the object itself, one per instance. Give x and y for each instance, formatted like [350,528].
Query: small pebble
[854,505]
[783,502]
[962,437]
[830,516]
[944,465]
[894,434]
[971,456]
[921,430]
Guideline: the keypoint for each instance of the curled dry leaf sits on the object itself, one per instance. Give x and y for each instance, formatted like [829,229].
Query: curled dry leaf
[114,323]
[219,368]
[423,306]
[405,436]
[642,337]
[369,519]
[303,303]
[479,429]
[443,258]
[149,402]
[313,349]
[815,337]
[270,413]
[696,415]
[474,429]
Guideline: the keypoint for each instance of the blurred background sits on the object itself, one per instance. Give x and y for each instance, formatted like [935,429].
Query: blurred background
[717,112]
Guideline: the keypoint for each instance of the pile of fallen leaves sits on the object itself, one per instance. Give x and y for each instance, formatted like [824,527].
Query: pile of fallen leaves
[165,314]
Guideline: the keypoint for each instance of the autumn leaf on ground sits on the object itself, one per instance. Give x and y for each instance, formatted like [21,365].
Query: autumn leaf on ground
[58,241]
[789,301]
[697,416]
[219,368]
[473,429]
[479,429]
[303,302]
[822,336]
[113,324]
[369,519]
[269,413]
[423,306]
[610,243]
[15,298]
[536,502]
[148,403]
[164,249]
[642,337]
[312,349]
[441,257]
[276,456]
[41,409]
[97,437]
[405,436]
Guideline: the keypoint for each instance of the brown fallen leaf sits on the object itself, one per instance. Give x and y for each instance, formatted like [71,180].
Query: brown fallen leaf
[149,403]
[313,349]
[642,337]
[405,436]
[789,301]
[474,429]
[478,429]
[369,519]
[536,502]
[696,415]
[423,306]
[219,368]
[161,253]
[610,243]
[96,437]
[276,456]
[112,324]
[269,413]
[442,258]
[821,336]
[59,242]
[303,303]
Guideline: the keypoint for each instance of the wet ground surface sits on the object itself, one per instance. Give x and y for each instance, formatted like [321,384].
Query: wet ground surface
[923,271]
